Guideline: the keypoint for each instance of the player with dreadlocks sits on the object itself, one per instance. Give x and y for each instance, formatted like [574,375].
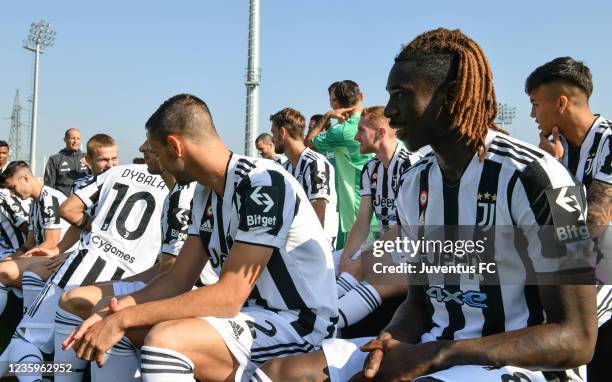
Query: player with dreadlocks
[441,94]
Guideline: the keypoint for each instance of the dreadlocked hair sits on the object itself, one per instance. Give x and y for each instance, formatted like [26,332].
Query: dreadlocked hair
[448,55]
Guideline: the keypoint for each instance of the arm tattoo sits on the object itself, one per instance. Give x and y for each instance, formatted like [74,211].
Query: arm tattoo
[600,204]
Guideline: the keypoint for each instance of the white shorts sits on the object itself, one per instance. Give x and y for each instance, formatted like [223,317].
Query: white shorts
[39,319]
[256,335]
[344,359]
[336,255]
[121,288]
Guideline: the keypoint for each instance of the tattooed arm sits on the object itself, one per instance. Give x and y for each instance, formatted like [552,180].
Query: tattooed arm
[599,199]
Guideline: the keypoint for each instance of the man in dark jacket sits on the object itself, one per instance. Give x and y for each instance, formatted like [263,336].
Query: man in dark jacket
[67,165]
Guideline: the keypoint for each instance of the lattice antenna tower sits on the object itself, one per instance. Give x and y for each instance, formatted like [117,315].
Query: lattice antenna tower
[15,133]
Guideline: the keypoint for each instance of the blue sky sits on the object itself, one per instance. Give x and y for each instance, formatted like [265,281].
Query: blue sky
[114,62]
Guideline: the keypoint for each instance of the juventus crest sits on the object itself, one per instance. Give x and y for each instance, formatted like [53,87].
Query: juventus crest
[485,215]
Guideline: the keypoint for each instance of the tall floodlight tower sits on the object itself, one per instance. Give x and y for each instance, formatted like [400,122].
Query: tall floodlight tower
[41,36]
[505,115]
[15,133]
[252,80]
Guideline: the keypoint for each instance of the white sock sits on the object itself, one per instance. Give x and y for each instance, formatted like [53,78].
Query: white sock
[65,323]
[260,376]
[121,363]
[345,282]
[4,291]
[31,284]
[360,301]
[21,351]
[176,366]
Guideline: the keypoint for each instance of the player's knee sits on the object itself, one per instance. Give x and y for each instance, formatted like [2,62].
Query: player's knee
[162,335]
[74,302]
[274,369]
[5,274]
[39,269]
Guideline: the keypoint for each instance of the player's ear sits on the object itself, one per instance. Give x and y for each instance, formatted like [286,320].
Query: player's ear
[381,132]
[562,103]
[175,145]
[87,160]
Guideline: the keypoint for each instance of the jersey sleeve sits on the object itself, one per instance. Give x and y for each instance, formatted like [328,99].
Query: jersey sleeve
[50,212]
[328,140]
[550,210]
[198,208]
[603,171]
[266,208]
[365,187]
[318,180]
[15,211]
[90,193]
[177,220]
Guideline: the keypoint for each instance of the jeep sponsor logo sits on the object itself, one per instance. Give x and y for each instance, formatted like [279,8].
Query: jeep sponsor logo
[383,202]
[99,243]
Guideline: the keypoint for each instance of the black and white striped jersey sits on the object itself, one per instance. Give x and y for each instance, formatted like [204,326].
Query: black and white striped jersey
[81,182]
[44,214]
[516,190]
[318,179]
[176,218]
[382,184]
[279,159]
[125,234]
[593,161]
[12,215]
[262,205]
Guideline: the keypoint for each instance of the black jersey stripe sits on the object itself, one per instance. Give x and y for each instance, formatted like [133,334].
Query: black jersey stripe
[385,194]
[536,182]
[509,154]
[6,238]
[278,180]
[520,145]
[118,274]
[173,203]
[510,192]
[94,272]
[607,165]
[456,318]
[494,314]
[72,268]
[305,323]
[284,283]
[589,168]
[503,146]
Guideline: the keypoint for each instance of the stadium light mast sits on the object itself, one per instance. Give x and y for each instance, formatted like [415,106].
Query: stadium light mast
[40,37]
[505,115]
[252,80]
